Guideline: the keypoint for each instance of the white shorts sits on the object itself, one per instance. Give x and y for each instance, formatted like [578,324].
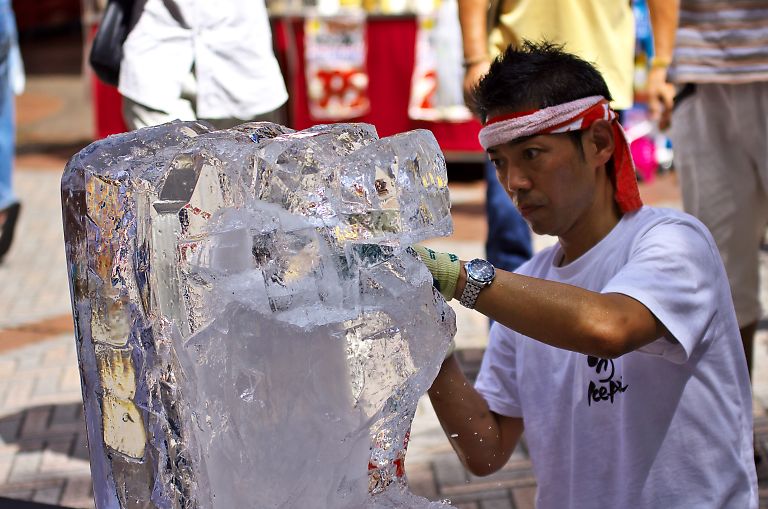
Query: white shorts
[720,141]
[137,115]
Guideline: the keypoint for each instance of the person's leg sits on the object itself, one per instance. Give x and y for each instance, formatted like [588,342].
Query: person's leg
[276,117]
[752,114]
[508,244]
[7,129]
[9,203]
[137,115]
[721,186]
[747,340]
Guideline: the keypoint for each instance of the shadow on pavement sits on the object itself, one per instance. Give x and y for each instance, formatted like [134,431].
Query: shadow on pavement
[56,430]
[8,503]
[46,457]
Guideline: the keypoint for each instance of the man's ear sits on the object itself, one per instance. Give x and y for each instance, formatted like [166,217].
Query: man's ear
[600,145]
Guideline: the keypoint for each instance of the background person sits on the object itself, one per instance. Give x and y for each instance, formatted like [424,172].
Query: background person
[720,133]
[597,30]
[197,59]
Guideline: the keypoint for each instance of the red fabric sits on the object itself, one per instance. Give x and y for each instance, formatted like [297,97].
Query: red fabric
[107,103]
[107,108]
[510,116]
[627,194]
[337,84]
[391,58]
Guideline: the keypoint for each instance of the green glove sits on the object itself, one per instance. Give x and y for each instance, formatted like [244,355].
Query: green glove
[444,267]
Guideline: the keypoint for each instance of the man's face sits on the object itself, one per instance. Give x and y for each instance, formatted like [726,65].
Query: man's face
[548,179]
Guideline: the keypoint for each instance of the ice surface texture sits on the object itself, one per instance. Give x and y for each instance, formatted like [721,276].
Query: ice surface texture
[252,330]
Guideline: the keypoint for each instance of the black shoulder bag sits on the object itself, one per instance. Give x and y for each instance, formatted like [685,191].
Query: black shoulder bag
[107,48]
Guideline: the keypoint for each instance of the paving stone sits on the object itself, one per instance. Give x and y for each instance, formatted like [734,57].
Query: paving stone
[47,385]
[57,355]
[80,450]
[19,494]
[77,493]
[34,485]
[9,428]
[35,421]
[421,480]
[512,471]
[19,394]
[499,503]
[29,362]
[67,418]
[27,460]
[70,380]
[7,368]
[449,471]
[525,497]
[56,455]
[470,360]
[48,495]
[462,494]
[6,463]
[8,447]
[466,505]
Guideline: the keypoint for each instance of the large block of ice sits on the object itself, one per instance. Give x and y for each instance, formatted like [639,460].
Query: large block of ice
[252,330]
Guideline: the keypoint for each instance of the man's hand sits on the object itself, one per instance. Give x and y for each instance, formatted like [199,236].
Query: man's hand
[472,75]
[445,268]
[660,96]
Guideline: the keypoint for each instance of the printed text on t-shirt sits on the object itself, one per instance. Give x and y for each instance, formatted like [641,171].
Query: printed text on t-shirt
[606,387]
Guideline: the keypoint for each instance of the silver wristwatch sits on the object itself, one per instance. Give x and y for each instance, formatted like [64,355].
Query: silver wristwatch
[480,273]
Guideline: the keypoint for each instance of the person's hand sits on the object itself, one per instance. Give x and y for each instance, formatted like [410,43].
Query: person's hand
[472,75]
[445,268]
[660,96]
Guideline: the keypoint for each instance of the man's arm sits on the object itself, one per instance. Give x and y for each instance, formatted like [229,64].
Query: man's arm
[483,440]
[565,316]
[473,18]
[664,20]
[604,325]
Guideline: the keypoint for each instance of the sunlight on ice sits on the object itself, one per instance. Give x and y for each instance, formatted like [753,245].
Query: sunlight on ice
[252,329]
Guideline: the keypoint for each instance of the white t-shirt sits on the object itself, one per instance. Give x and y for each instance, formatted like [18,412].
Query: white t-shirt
[230,43]
[666,426]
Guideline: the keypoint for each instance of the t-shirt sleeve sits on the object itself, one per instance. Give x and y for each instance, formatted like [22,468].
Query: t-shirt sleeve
[497,380]
[675,272]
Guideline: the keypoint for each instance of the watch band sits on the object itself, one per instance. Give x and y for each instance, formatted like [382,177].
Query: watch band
[470,293]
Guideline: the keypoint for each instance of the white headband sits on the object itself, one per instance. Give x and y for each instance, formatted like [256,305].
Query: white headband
[555,119]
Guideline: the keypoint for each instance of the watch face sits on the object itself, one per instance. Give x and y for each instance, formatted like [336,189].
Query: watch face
[480,270]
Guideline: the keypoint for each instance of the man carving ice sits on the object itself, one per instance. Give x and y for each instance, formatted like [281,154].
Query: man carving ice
[617,349]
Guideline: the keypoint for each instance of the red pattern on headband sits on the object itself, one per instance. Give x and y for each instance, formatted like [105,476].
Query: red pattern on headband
[509,116]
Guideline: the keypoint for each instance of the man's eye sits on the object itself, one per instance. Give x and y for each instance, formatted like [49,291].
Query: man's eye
[496,163]
[530,153]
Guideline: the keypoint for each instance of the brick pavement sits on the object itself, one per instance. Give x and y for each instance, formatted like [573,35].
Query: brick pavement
[34,274]
[43,455]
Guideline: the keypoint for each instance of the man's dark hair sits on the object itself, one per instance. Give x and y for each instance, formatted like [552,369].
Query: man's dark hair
[533,76]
